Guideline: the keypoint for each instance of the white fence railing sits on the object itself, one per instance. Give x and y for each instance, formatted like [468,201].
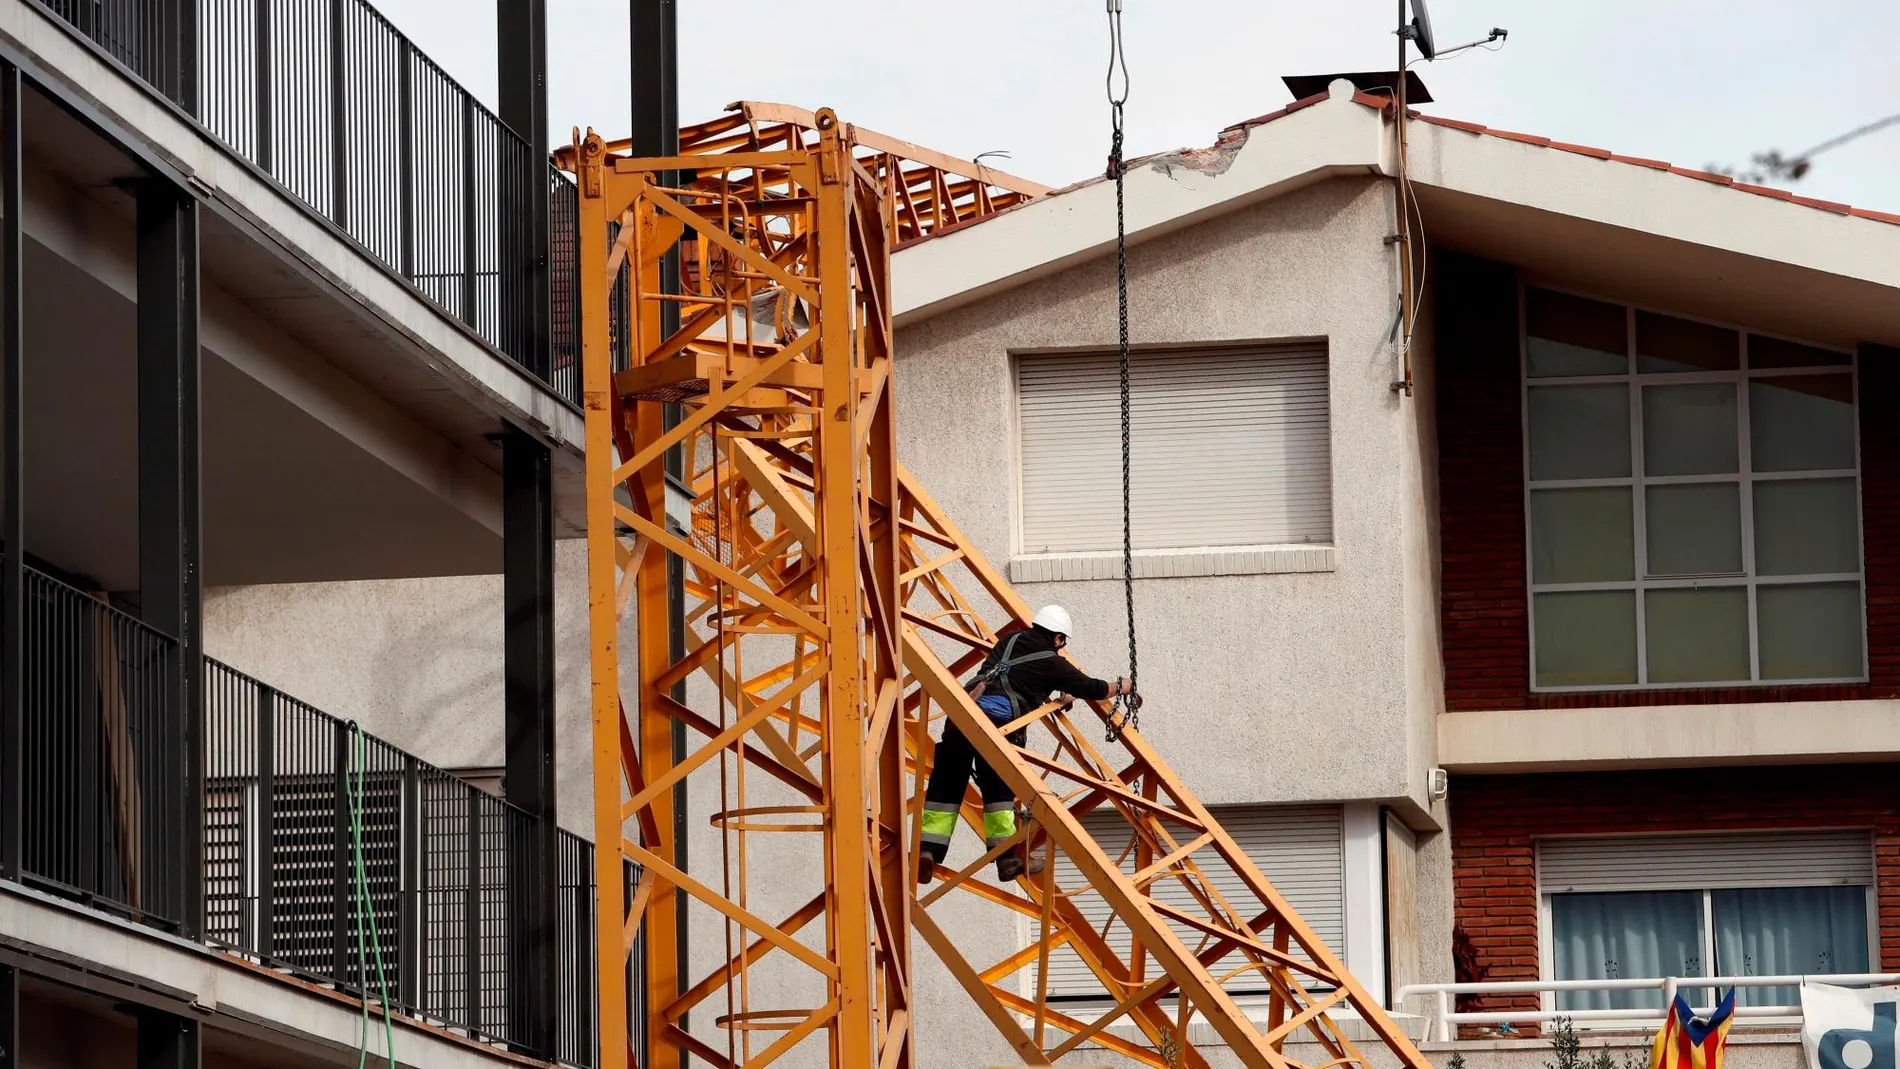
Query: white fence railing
[1442,1020]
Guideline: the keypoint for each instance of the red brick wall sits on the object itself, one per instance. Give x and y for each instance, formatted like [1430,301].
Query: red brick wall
[1495,819]
[1484,606]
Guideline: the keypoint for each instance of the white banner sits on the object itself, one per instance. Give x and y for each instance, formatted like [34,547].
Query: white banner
[1849,1027]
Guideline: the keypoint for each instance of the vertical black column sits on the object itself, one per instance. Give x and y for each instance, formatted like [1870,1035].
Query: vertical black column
[10,1018]
[170,583]
[528,662]
[167,1041]
[522,37]
[653,53]
[13,513]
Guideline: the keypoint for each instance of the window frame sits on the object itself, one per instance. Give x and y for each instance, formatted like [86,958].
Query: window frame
[1224,558]
[1546,932]
[1638,483]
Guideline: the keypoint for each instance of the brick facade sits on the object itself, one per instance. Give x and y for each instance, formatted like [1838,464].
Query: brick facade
[1496,819]
[1485,612]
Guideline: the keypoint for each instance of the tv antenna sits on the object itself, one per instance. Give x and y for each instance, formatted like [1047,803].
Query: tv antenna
[1417,29]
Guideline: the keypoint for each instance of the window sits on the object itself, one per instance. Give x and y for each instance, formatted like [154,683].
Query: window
[1229,445]
[1705,905]
[1693,502]
[1301,849]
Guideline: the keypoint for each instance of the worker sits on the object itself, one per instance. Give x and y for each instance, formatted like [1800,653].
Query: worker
[1022,671]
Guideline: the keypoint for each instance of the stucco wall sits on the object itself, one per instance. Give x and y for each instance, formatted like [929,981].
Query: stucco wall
[415,661]
[1219,654]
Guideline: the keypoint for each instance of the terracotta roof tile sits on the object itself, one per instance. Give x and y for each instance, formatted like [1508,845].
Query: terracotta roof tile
[1718,179]
[1384,103]
[1581,150]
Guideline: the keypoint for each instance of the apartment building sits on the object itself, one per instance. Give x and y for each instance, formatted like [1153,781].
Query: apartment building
[1560,648]
[277,315]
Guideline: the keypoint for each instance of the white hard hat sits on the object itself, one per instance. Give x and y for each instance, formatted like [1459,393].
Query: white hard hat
[1053,618]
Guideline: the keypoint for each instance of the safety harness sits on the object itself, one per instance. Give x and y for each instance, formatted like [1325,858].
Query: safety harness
[995,674]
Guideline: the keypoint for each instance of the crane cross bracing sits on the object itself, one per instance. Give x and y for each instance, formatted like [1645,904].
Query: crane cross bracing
[833,606]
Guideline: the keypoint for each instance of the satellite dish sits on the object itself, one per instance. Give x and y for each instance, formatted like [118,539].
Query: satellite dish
[1419,30]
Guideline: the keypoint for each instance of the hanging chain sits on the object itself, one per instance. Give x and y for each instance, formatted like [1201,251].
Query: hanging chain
[1126,709]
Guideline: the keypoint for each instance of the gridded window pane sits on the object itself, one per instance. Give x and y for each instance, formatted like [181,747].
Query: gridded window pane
[1574,336]
[1580,432]
[1624,935]
[1586,638]
[1697,636]
[1788,931]
[1801,422]
[1582,535]
[1773,352]
[1809,631]
[1806,527]
[1690,430]
[1694,529]
[1665,343]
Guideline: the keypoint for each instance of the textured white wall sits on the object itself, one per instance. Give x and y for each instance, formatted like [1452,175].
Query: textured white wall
[1241,672]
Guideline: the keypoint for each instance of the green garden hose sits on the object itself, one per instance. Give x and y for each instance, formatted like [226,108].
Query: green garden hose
[366,914]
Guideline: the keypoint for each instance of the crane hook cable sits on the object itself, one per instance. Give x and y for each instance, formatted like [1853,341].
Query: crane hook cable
[1125,709]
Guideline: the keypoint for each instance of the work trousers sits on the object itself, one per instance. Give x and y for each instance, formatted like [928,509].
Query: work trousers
[956,762]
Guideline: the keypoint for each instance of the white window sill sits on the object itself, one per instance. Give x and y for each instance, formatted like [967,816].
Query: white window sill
[1172,563]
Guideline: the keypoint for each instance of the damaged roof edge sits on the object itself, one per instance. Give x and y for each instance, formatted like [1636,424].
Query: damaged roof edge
[1335,134]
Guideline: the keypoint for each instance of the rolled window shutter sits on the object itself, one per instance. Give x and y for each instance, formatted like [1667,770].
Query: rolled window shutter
[1299,848]
[1697,862]
[1230,446]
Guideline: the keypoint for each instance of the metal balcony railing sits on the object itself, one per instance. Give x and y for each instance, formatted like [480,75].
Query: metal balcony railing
[289,792]
[1442,1021]
[99,690]
[345,113]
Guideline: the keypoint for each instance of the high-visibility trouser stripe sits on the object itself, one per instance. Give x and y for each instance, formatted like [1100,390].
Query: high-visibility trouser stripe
[940,822]
[999,822]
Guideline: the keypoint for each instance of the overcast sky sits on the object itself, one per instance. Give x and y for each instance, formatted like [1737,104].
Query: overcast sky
[1689,81]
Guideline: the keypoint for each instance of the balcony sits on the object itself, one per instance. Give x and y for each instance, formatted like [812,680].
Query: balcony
[340,110]
[327,855]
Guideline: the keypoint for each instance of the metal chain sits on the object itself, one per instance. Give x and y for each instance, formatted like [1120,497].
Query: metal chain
[1126,710]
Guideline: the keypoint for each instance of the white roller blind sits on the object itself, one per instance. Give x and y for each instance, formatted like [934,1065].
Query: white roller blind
[1696,862]
[1301,850]
[1230,446]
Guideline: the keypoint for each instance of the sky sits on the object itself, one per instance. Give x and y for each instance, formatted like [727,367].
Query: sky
[1694,82]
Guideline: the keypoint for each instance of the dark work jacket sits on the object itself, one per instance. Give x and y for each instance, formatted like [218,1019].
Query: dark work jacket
[1037,680]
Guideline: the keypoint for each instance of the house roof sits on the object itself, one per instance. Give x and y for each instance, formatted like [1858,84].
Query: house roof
[1339,132]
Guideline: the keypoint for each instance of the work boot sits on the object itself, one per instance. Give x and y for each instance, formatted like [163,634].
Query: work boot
[926,870]
[1011,866]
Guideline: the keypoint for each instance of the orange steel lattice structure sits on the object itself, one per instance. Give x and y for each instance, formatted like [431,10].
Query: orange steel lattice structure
[832,607]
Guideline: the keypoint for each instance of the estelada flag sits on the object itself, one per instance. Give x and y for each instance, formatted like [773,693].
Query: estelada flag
[1690,1042]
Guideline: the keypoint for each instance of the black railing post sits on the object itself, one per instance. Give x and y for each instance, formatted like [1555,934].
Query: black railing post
[339,125]
[170,520]
[13,456]
[406,145]
[472,913]
[468,209]
[409,942]
[266,939]
[177,59]
[264,89]
[342,895]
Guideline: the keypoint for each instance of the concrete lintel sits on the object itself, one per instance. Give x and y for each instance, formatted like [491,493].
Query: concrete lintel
[239,194]
[69,944]
[1524,740]
[1163,194]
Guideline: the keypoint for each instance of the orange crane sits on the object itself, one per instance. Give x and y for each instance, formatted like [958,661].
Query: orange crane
[833,606]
